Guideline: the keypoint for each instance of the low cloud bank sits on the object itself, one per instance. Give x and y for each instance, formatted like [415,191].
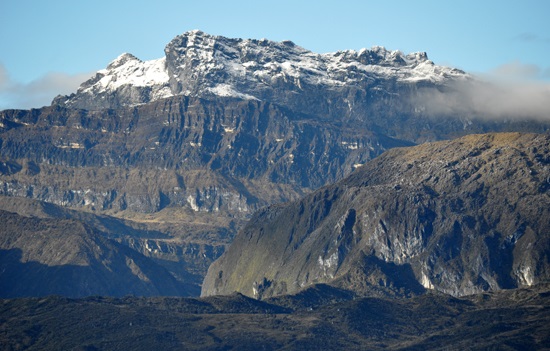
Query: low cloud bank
[511,91]
[39,92]
[488,99]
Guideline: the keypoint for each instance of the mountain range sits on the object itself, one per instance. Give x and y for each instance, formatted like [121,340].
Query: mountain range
[171,157]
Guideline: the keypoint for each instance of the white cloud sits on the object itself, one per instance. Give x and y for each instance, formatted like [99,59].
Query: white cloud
[4,79]
[39,92]
[517,70]
[511,91]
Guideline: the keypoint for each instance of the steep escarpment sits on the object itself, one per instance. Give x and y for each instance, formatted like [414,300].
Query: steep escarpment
[384,91]
[460,217]
[225,154]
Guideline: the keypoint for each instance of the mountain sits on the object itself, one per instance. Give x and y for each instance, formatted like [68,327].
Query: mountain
[198,64]
[460,217]
[192,144]
[40,257]
[378,90]
[162,242]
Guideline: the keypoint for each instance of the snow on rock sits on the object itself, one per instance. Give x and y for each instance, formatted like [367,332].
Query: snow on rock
[198,64]
[228,91]
[129,70]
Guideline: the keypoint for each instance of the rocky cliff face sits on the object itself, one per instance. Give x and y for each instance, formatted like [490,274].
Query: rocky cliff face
[460,217]
[230,141]
[380,90]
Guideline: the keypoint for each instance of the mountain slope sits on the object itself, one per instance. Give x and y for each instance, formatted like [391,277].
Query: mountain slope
[66,257]
[184,252]
[461,217]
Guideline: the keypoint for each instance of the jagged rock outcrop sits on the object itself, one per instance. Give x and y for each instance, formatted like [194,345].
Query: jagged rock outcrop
[459,216]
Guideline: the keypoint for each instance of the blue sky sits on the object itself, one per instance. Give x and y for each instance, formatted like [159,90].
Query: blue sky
[49,47]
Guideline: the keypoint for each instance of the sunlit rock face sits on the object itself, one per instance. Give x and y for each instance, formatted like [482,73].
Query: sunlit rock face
[459,217]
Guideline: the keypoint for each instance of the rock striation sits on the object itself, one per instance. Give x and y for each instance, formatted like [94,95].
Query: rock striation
[225,125]
[460,217]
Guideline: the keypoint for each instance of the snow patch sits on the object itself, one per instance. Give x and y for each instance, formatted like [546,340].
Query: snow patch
[227,90]
[350,145]
[126,70]
[328,266]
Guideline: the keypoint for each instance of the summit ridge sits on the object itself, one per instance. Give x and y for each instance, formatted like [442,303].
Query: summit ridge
[201,65]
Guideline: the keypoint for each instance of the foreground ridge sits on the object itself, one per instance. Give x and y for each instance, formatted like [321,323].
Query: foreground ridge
[516,319]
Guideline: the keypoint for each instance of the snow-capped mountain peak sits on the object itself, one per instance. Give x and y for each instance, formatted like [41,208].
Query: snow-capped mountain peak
[121,60]
[129,70]
[199,64]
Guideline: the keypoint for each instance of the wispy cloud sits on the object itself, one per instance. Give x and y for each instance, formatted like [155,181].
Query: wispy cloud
[39,92]
[528,37]
[511,91]
[517,71]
